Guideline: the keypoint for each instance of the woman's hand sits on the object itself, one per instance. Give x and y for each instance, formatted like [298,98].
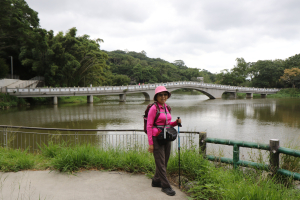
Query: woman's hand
[151,148]
[178,121]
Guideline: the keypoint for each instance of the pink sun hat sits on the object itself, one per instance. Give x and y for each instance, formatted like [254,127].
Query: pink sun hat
[160,89]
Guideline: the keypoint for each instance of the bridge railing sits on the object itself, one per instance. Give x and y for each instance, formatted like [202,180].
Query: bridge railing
[121,89]
[274,150]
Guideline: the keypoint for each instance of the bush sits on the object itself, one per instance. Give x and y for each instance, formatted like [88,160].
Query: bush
[4,68]
[6,100]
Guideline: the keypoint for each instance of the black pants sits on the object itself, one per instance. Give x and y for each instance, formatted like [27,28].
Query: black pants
[161,155]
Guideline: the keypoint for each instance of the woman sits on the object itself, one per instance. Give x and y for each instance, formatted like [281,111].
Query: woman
[161,152]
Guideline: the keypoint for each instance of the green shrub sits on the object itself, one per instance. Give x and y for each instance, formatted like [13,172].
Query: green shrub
[286,93]
[15,160]
[6,100]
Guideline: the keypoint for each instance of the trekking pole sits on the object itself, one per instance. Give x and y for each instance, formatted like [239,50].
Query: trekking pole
[179,125]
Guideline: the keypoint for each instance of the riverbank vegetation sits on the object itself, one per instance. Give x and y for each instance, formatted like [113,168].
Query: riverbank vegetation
[62,100]
[286,93]
[7,101]
[205,179]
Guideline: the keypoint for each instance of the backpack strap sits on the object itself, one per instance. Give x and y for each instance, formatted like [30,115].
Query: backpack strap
[169,108]
[157,113]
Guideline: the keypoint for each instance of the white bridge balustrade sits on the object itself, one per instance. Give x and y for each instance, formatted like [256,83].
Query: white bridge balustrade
[213,91]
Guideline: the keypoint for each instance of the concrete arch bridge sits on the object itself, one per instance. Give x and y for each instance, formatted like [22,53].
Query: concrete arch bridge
[213,91]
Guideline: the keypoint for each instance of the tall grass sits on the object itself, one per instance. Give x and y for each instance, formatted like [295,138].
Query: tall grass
[290,163]
[15,160]
[70,159]
[209,181]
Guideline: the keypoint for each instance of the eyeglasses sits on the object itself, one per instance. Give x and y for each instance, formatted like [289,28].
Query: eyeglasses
[163,94]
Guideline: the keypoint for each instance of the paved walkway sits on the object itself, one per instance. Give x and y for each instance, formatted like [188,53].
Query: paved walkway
[87,185]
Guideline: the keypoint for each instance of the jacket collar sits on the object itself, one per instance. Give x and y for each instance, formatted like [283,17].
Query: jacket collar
[161,106]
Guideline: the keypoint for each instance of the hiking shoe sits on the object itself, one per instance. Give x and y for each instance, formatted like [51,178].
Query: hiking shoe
[156,184]
[169,191]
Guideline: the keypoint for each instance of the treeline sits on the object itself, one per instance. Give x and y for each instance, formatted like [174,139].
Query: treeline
[263,73]
[68,60]
[63,59]
[136,68]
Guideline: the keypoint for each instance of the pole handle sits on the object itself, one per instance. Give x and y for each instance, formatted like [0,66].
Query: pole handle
[179,124]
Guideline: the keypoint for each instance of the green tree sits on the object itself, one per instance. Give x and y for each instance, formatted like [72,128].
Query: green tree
[180,64]
[266,73]
[120,79]
[142,69]
[4,68]
[66,60]
[292,62]
[236,76]
[17,22]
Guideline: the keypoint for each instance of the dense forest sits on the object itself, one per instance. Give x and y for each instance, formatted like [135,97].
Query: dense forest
[66,59]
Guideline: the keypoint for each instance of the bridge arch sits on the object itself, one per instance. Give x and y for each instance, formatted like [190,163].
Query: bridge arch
[210,94]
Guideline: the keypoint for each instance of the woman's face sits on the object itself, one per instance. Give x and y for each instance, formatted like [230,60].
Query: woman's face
[162,97]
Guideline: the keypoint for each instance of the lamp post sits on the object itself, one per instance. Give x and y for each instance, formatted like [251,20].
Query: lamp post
[12,72]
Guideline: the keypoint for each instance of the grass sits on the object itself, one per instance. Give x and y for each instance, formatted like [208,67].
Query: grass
[62,100]
[286,93]
[283,93]
[77,99]
[15,160]
[209,181]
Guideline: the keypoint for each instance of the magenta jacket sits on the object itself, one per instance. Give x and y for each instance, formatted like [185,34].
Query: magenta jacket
[152,131]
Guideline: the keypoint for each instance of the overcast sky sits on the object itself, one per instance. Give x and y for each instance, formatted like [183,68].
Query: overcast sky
[205,34]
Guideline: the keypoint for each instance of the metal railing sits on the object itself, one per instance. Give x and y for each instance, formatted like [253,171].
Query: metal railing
[27,84]
[30,138]
[273,148]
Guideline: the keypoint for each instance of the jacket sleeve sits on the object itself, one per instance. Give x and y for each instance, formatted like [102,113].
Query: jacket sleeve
[174,123]
[150,121]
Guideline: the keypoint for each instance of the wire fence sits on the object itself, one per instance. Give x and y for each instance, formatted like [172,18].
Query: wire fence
[32,138]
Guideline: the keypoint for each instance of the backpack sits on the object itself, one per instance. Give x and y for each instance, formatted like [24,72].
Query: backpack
[156,116]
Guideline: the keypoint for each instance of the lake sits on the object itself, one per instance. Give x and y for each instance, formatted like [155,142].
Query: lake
[255,120]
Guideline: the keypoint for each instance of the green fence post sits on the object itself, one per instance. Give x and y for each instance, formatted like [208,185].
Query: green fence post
[236,155]
[202,143]
[274,155]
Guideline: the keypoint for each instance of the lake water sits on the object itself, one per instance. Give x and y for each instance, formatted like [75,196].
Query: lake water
[255,120]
